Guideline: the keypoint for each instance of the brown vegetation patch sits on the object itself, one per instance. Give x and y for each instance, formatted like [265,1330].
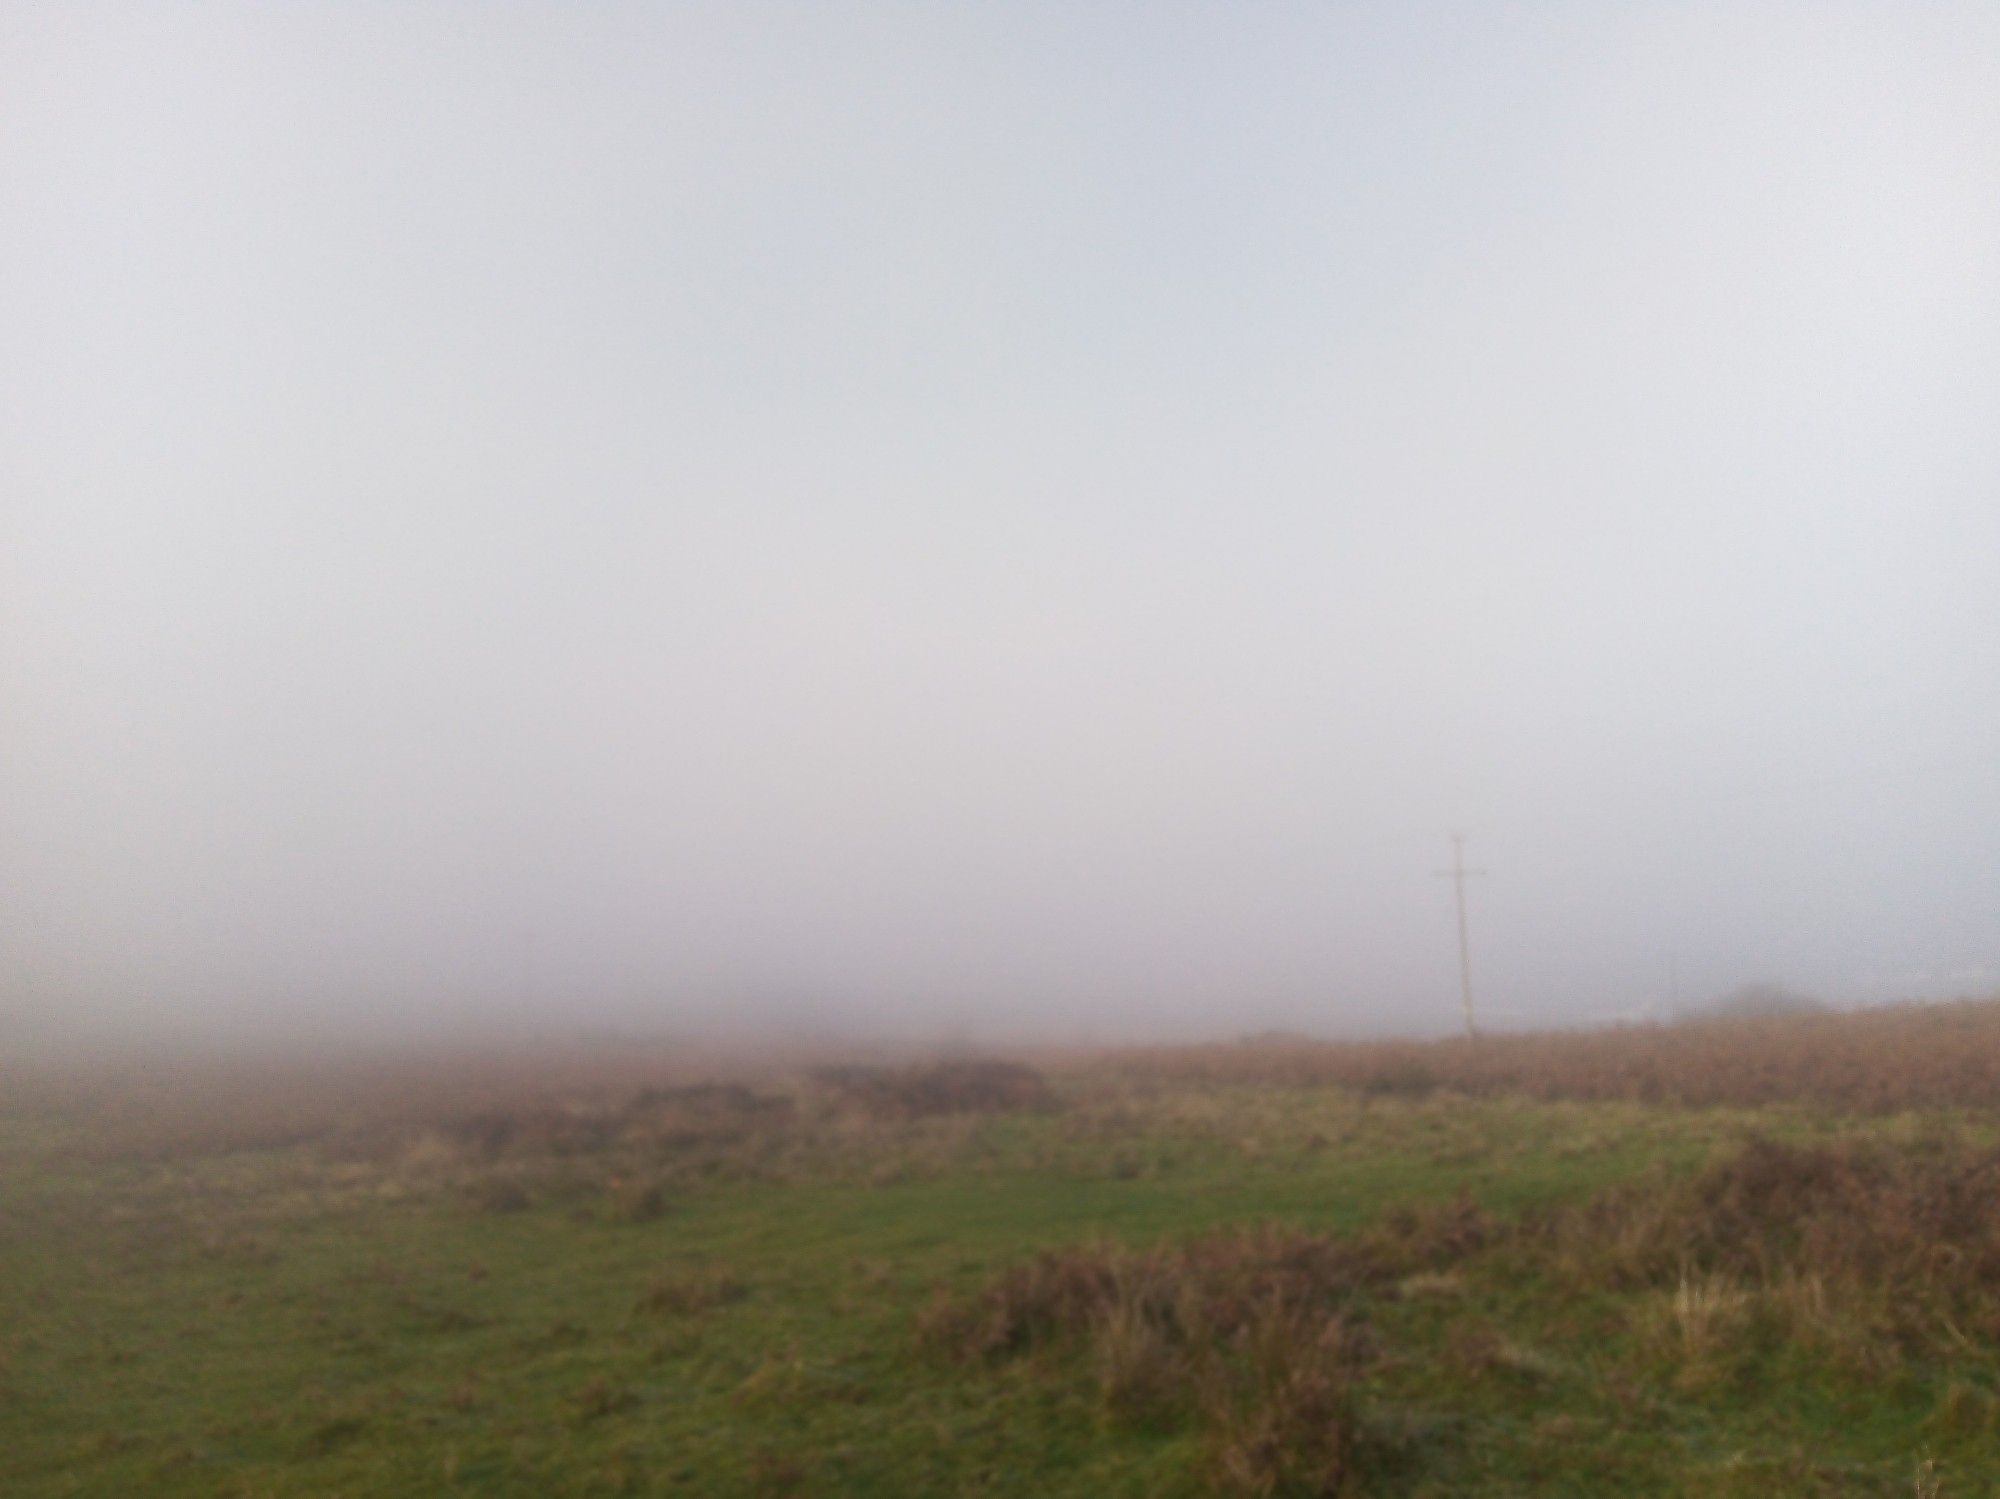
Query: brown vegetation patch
[691,1293]
[702,1114]
[653,1120]
[938,1088]
[1857,1254]
[1874,1061]
[1256,1334]
[1204,1292]
[1922,1225]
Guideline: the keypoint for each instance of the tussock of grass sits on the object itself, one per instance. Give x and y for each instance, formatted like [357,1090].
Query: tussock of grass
[1246,1333]
[1918,1230]
[1284,1420]
[1256,1335]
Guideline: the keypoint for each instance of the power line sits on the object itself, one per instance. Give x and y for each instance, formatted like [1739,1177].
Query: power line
[1457,875]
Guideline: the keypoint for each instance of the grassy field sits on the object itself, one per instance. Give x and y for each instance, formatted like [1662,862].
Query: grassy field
[1122,1275]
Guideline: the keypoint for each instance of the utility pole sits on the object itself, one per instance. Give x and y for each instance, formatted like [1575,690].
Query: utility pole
[1456,874]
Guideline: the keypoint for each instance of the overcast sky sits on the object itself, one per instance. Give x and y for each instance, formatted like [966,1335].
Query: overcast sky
[993,519]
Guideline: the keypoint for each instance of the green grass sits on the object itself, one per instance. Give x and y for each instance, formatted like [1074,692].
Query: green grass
[278,1323]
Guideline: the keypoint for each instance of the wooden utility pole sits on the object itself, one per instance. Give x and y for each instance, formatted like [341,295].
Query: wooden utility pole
[1457,875]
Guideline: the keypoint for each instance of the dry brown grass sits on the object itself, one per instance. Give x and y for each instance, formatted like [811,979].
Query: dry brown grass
[1869,1061]
[937,1089]
[1205,1291]
[1248,1332]
[1286,1424]
[1259,1336]
[1192,1294]
[1888,1248]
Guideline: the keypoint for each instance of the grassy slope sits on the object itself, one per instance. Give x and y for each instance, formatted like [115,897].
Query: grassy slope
[266,1323]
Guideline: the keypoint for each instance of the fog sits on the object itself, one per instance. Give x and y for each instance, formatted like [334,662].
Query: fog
[979,523]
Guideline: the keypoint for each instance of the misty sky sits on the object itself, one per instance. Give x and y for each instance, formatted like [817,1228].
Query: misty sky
[993,519]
